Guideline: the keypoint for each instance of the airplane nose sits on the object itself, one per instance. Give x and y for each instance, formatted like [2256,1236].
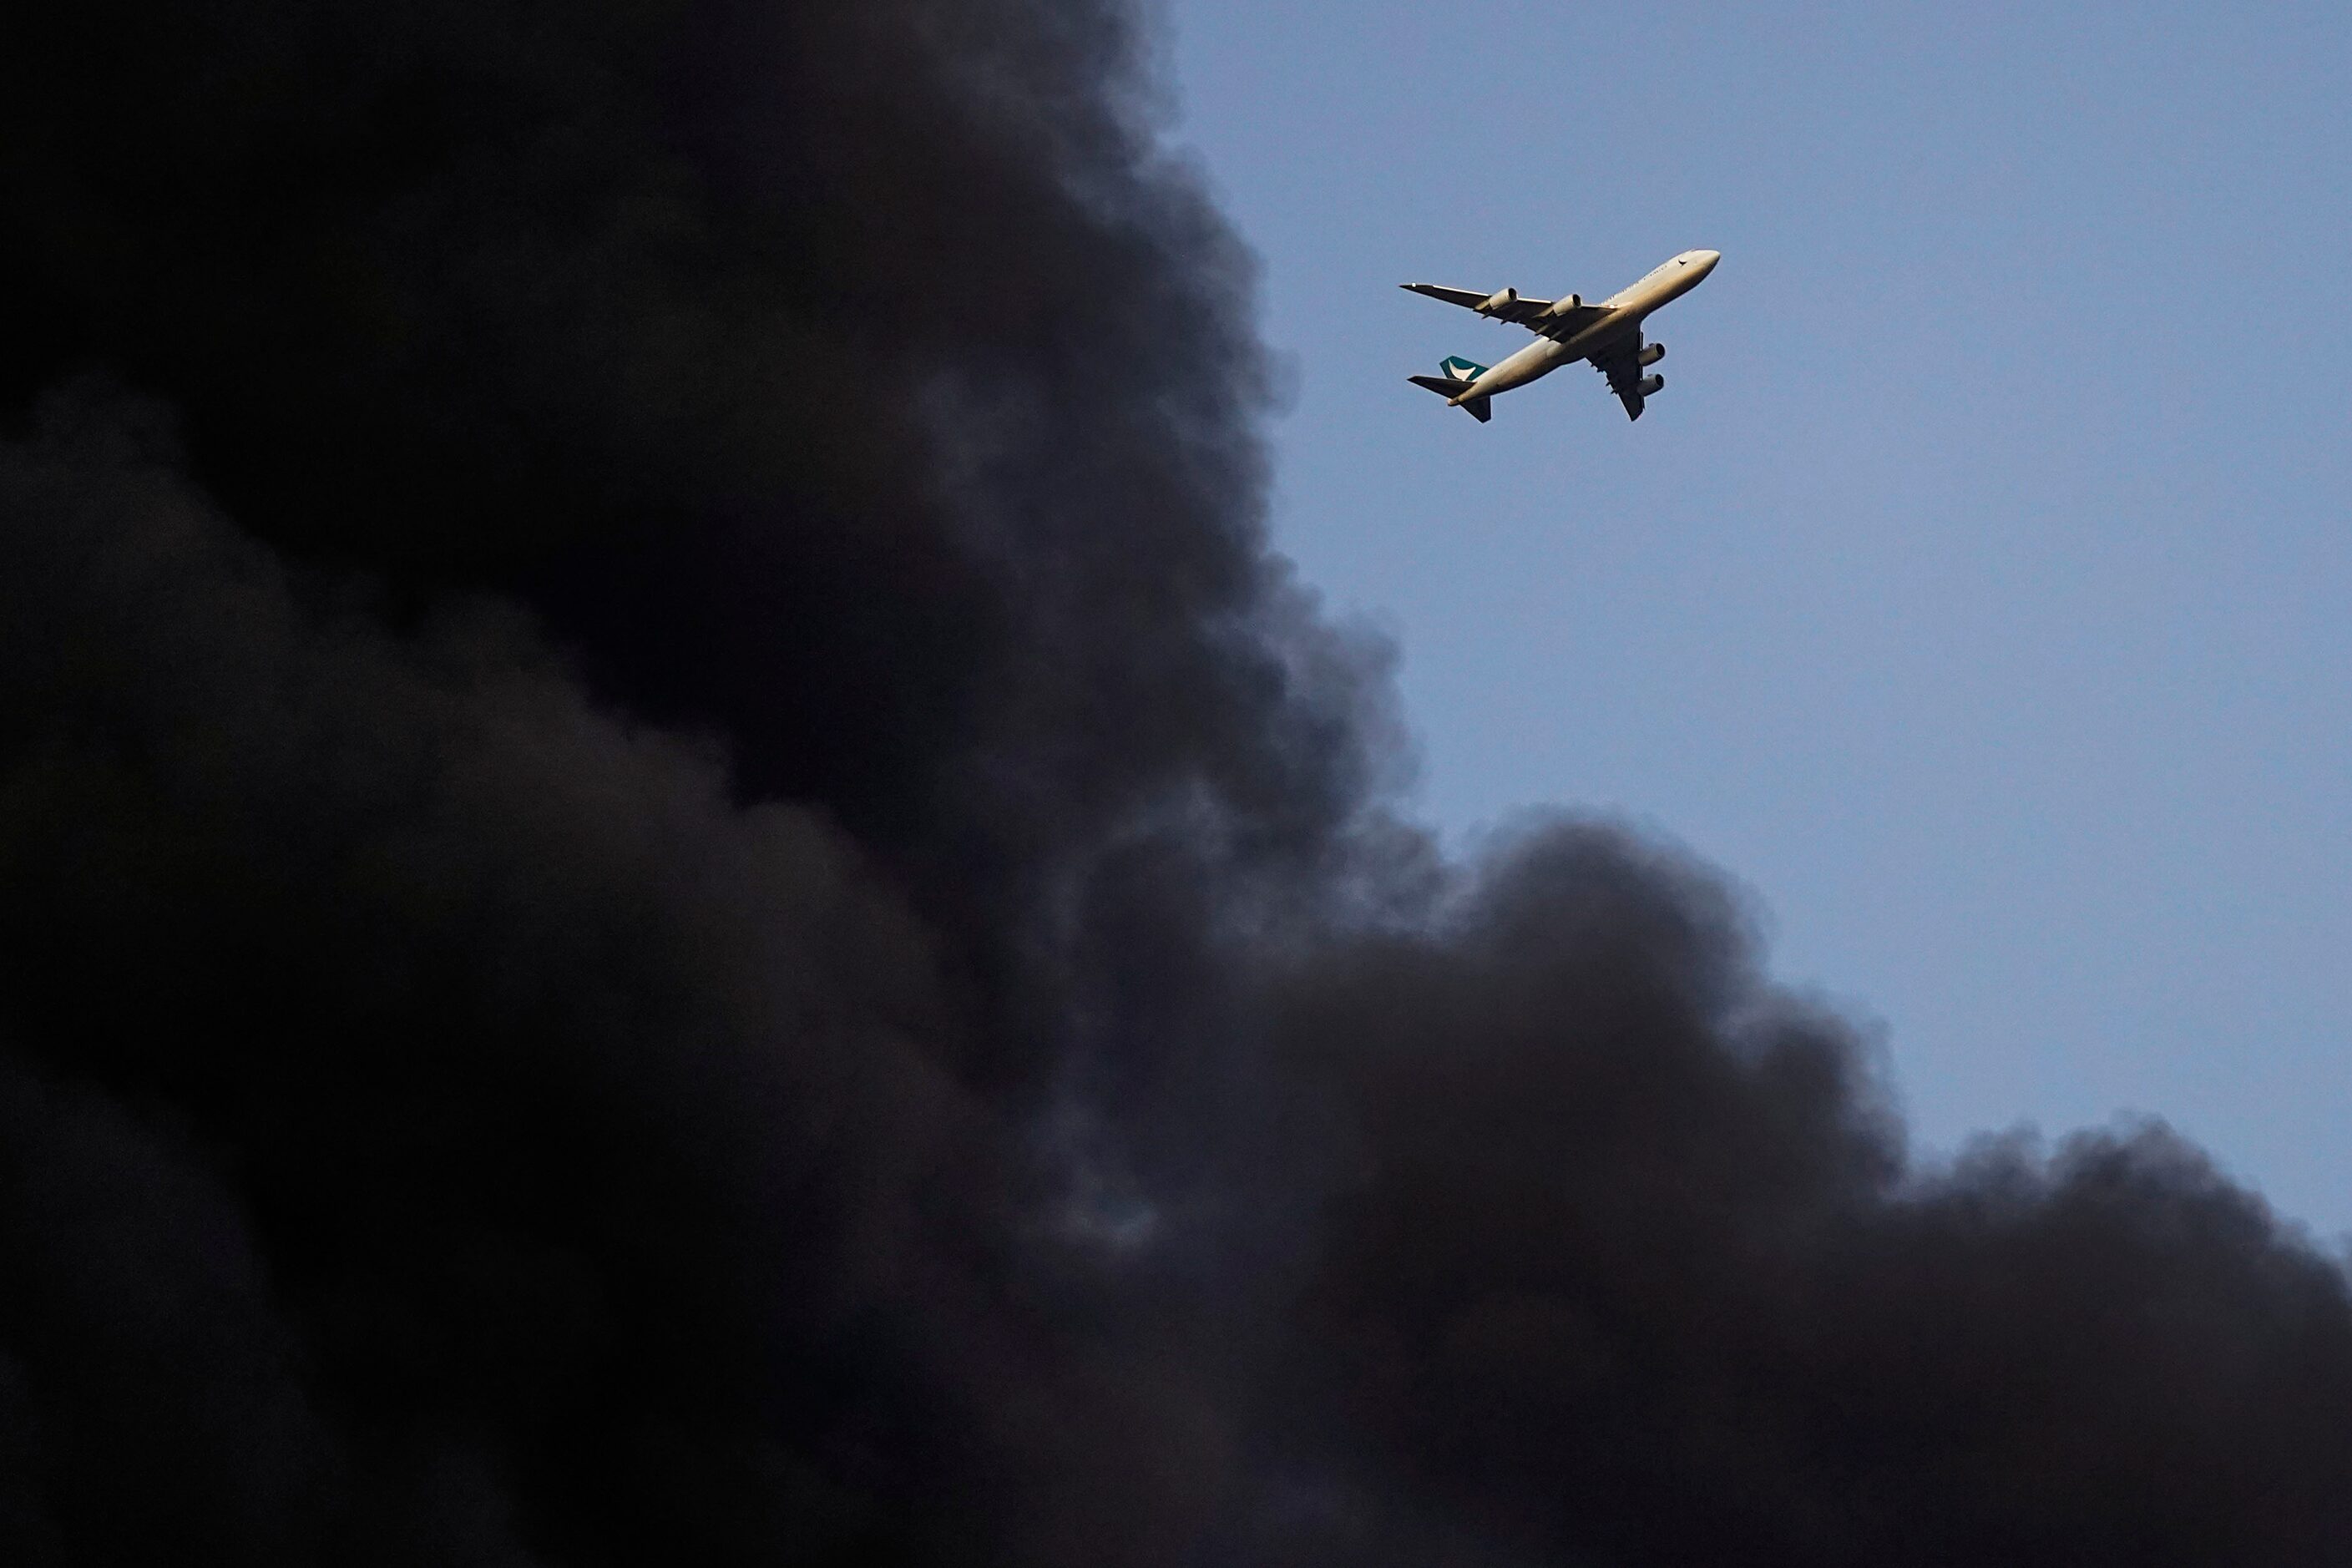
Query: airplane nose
[1708,258]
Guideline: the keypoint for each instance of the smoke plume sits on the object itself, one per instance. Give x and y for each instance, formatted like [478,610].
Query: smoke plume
[681,885]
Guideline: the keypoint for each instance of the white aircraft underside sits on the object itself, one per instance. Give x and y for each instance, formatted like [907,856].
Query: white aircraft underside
[1608,336]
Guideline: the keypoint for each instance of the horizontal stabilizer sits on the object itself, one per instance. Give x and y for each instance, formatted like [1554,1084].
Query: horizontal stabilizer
[1480,408]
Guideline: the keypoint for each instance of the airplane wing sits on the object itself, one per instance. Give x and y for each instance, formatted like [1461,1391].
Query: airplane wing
[1622,366]
[1509,306]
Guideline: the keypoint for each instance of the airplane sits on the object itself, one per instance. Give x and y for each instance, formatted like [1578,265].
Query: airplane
[1608,335]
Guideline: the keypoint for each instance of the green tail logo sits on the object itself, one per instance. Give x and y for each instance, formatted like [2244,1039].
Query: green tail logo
[1459,369]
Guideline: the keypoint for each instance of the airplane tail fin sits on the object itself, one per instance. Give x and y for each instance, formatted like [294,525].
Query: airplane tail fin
[1455,381]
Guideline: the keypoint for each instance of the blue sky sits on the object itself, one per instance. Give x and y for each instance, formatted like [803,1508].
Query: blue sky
[1979,592]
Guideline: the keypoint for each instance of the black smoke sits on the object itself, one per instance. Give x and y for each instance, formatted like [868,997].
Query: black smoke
[680,885]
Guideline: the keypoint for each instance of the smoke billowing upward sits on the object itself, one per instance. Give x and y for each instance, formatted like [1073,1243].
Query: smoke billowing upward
[679,885]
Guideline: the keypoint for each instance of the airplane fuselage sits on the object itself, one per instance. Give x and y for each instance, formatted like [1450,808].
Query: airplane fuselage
[1625,311]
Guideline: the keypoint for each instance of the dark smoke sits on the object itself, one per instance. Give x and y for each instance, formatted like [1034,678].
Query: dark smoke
[679,885]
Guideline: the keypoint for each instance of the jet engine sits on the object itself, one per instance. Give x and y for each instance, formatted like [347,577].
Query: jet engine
[1651,384]
[1500,300]
[1653,353]
[1567,307]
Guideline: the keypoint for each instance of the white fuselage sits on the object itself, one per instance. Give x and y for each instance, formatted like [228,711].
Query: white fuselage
[1625,311]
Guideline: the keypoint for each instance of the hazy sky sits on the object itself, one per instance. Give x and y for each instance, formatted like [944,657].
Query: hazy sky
[1980,590]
